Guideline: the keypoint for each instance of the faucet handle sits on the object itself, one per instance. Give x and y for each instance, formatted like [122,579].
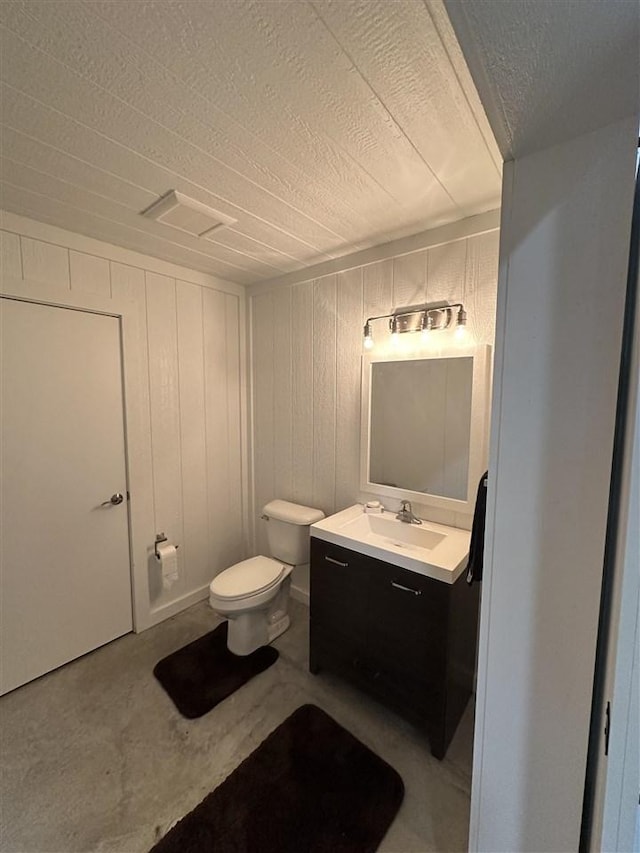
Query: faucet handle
[406,514]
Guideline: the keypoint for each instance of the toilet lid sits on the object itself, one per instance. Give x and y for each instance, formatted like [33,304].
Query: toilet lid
[247,578]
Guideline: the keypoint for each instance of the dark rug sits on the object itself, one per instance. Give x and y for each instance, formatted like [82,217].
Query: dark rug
[202,674]
[310,787]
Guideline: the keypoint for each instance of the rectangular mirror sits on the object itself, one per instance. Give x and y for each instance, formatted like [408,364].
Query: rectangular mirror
[424,427]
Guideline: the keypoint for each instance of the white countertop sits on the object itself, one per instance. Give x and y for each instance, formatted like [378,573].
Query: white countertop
[434,550]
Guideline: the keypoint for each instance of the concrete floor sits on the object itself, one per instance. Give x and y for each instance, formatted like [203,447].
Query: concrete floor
[95,757]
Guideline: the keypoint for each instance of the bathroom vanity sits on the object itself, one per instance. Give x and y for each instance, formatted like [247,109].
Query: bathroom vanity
[391,610]
[392,613]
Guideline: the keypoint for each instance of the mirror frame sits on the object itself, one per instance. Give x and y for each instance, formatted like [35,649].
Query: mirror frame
[478,433]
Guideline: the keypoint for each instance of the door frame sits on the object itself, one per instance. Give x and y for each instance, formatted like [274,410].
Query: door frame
[131,314]
[575,193]
[612,778]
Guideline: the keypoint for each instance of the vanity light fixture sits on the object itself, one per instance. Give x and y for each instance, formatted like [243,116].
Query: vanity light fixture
[432,316]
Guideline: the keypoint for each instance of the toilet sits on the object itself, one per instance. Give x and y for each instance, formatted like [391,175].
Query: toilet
[254,593]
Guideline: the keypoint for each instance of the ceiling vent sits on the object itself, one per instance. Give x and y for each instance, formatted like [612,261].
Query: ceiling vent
[187,215]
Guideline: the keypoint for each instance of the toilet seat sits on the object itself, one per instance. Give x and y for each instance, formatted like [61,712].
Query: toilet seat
[247,578]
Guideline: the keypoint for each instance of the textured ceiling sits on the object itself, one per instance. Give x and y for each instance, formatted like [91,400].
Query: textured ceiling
[550,70]
[323,127]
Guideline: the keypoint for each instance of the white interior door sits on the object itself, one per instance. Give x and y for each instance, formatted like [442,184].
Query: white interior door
[65,583]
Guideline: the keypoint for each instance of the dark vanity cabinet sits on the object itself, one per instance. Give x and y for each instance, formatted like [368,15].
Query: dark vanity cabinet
[407,639]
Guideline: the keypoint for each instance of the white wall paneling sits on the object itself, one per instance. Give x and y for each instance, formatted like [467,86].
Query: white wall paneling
[306,368]
[482,223]
[480,265]
[221,364]
[89,274]
[348,349]
[162,335]
[378,289]
[196,555]
[262,317]
[410,279]
[41,231]
[447,268]
[184,372]
[324,394]
[45,263]
[302,338]
[235,388]
[282,392]
[10,255]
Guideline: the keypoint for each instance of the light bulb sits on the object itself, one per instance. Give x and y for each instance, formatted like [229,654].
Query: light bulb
[461,325]
[425,332]
[368,337]
[395,337]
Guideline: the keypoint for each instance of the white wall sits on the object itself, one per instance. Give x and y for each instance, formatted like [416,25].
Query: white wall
[564,251]
[184,365]
[306,361]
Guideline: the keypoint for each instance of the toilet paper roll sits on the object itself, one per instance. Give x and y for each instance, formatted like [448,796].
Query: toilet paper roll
[167,556]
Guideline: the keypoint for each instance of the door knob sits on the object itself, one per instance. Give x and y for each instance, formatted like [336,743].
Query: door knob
[114,499]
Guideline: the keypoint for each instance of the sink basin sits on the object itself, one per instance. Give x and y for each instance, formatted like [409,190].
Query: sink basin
[435,550]
[396,532]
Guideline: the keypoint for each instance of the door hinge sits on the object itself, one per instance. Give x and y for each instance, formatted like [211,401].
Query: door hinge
[607,728]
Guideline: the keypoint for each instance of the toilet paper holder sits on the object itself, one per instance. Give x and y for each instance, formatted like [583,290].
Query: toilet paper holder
[160,538]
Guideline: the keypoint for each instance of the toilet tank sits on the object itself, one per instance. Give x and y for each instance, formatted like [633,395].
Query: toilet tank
[288,530]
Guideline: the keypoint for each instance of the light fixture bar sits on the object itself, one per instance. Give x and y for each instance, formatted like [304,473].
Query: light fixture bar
[424,318]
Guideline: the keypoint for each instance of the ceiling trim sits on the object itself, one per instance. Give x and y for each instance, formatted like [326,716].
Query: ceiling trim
[471,226]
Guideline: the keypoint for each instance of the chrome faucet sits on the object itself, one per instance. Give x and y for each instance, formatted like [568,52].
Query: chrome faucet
[406,514]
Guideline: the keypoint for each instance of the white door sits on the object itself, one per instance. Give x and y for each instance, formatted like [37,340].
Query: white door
[65,583]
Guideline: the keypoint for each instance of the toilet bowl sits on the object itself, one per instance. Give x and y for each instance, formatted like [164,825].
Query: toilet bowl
[253,594]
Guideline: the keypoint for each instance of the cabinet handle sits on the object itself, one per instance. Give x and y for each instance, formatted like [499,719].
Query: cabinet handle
[406,588]
[336,562]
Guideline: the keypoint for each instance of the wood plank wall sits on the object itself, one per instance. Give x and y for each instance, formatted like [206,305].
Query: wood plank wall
[306,363]
[193,391]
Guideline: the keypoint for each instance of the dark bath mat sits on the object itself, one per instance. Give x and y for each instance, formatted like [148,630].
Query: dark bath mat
[310,787]
[202,674]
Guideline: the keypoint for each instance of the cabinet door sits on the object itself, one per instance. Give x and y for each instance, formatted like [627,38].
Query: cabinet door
[338,601]
[407,625]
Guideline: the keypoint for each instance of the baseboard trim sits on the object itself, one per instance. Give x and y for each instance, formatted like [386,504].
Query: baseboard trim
[166,611]
[300,595]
